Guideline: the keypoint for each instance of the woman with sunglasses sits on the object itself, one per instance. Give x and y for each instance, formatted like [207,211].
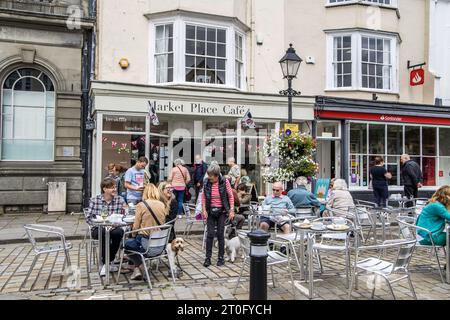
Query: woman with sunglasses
[166,189]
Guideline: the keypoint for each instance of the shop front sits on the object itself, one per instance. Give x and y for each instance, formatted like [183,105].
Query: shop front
[371,129]
[191,122]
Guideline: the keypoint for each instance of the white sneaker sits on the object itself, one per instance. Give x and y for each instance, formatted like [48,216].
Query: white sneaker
[103,271]
[137,275]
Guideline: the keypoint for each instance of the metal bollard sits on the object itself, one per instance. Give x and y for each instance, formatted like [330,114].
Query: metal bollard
[258,264]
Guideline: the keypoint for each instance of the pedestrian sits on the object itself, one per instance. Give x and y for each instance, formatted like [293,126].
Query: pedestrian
[120,173]
[379,177]
[135,181]
[411,177]
[179,178]
[200,168]
[234,173]
[217,206]
[112,203]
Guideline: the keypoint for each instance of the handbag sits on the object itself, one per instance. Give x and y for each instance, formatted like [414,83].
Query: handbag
[215,212]
[187,194]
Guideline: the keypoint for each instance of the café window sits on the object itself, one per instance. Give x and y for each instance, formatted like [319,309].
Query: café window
[328,129]
[390,141]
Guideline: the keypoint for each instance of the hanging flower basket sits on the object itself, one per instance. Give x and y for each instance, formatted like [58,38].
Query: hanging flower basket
[288,157]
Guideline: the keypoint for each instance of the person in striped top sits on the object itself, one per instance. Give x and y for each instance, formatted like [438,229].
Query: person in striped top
[217,206]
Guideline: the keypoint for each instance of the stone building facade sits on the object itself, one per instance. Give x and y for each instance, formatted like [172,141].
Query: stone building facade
[43,48]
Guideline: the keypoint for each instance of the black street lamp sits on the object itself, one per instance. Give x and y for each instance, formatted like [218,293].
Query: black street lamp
[290,64]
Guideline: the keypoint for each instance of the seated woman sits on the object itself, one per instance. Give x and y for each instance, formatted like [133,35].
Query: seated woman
[433,217]
[340,198]
[166,189]
[154,202]
[244,199]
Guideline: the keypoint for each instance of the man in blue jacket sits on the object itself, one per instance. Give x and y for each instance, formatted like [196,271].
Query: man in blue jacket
[200,168]
[300,196]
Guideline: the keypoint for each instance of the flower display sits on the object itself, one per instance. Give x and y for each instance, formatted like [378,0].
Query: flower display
[288,157]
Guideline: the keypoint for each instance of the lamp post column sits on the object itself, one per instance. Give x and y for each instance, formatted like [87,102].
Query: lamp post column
[289,100]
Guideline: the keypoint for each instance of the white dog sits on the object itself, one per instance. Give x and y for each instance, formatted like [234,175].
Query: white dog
[232,247]
[174,249]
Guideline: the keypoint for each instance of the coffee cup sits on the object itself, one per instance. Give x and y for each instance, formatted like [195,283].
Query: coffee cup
[339,221]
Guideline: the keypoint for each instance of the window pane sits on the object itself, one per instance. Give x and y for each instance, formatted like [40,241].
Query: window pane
[358,138]
[444,138]
[210,63]
[190,32]
[190,75]
[221,77]
[358,170]
[29,84]
[190,47]
[211,34]
[221,64]
[376,139]
[429,141]
[201,33]
[11,79]
[200,47]
[190,61]
[394,140]
[211,49]
[221,50]
[221,35]
[412,140]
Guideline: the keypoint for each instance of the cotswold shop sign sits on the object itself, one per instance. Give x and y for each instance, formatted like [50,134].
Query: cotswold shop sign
[199,108]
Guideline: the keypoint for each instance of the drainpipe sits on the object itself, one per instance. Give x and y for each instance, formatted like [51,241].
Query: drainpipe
[88,75]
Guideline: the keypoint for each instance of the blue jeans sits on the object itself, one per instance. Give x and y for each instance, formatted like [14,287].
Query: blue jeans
[136,244]
[179,195]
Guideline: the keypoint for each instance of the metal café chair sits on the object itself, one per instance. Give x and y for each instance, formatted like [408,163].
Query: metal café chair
[91,247]
[156,249]
[274,258]
[189,212]
[417,205]
[33,229]
[391,272]
[328,241]
[408,230]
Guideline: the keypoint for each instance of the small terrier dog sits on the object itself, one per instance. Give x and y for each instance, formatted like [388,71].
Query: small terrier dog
[174,249]
[232,247]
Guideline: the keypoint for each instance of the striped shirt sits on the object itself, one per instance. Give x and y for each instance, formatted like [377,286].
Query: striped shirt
[216,202]
[178,180]
[96,205]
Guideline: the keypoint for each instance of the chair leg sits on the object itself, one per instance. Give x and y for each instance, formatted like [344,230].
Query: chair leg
[390,288]
[88,256]
[273,277]
[120,266]
[374,287]
[146,273]
[436,253]
[67,260]
[292,278]
[240,275]
[347,267]
[411,287]
[31,269]
[319,261]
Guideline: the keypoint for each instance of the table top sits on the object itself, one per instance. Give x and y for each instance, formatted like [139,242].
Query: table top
[107,223]
[309,230]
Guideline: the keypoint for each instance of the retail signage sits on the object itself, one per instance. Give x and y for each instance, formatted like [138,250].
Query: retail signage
[199,108]
[382,117]
[291,128]
[417,77]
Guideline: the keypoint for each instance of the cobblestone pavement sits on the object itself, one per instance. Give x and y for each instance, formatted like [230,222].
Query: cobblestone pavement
[49,281]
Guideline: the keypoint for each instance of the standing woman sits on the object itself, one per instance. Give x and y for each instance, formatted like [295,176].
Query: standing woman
[179,178]
[166,189]
[379,177]
[217,206]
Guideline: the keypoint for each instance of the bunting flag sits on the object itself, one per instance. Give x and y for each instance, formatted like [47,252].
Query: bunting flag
[113,144]
[105,139]
[248,121]
[143,138]
[152,114]
[134,143]
[124,145]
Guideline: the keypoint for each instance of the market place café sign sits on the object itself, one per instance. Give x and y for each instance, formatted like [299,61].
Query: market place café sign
[199,108]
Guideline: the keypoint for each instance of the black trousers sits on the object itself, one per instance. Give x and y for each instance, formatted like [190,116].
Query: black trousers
[410,192]
[211,225]
[115,237]
[381,194]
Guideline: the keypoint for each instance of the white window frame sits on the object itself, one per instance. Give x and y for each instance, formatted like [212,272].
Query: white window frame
[394,3]
[179,50]
[357,61]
